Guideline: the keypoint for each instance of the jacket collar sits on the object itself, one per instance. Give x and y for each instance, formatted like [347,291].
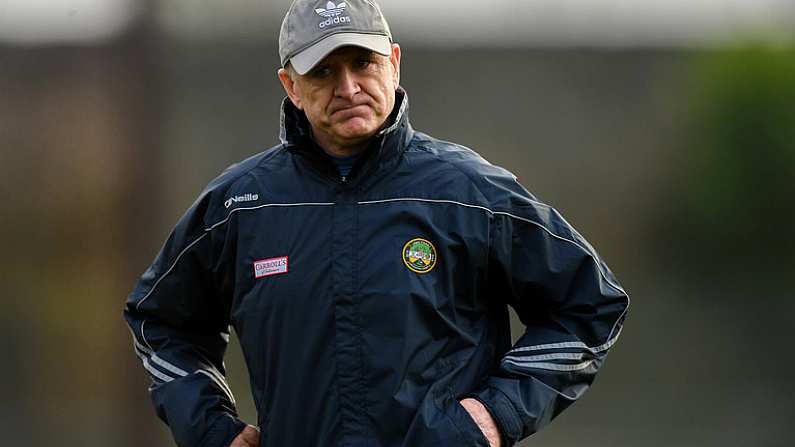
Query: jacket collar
[386,146]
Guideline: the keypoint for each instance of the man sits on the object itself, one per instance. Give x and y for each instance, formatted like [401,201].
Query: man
[367,269]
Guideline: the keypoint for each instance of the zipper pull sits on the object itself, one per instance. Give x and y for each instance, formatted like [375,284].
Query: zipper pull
[344,179]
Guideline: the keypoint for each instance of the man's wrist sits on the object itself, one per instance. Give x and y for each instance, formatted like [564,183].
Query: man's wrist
[223,429]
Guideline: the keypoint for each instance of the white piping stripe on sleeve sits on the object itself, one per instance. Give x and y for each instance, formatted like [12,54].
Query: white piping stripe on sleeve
[172,368]
[222,380]
[550,366]
[140,350]
[153,371]
[146,355]
[136,343]
[568,345]
[143,354]
[141,347]
[545,357]
[143,336]
[154,286]
[154,357]
[588,252]
[221,384]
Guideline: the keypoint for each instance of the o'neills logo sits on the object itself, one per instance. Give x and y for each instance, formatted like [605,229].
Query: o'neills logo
[332,12]
[244,198]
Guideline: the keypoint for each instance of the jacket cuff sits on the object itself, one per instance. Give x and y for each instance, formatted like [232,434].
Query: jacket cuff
[503,412]
[222,431]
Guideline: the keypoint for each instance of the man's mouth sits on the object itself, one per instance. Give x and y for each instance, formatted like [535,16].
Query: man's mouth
[351,110]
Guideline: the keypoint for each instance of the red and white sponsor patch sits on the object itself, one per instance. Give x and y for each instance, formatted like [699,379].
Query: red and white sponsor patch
[270,267]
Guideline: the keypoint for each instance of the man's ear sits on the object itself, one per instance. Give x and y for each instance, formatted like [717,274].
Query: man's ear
[395,60]
[289,87]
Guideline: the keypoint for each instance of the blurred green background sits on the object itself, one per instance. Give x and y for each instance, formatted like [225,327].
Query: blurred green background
[664,132]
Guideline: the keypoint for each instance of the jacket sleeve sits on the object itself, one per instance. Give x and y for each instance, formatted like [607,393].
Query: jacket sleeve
[178,314]
[571,304]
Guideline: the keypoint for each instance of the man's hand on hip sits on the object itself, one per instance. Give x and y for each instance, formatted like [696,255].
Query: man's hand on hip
[249,437]
[483,419]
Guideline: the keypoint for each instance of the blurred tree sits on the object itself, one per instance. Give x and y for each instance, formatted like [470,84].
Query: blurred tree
[736,208]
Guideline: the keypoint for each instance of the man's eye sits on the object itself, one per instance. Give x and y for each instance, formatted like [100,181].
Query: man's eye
[320,72]
[363,63]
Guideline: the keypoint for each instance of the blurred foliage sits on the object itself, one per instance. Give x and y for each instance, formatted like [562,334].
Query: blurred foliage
[738,165]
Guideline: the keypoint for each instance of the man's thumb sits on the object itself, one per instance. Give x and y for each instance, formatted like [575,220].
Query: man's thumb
[250,434]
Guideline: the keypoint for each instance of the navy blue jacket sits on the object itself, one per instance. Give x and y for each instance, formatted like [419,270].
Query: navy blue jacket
[366,307]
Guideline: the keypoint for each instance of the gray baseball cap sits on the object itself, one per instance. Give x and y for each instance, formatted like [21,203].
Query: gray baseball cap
[314,28]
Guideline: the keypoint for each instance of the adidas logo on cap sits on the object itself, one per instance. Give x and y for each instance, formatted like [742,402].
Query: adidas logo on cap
[332,12]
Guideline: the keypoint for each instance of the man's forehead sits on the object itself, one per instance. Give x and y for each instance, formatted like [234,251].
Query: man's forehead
[347,52]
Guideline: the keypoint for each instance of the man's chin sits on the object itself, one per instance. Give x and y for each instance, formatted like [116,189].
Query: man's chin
[357,130]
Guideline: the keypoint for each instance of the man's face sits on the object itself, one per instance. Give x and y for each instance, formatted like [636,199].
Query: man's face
[347,97]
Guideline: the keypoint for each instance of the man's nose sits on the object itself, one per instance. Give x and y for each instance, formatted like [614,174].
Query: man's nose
[347,84]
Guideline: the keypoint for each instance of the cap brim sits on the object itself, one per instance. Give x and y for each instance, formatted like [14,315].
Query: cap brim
[307,59]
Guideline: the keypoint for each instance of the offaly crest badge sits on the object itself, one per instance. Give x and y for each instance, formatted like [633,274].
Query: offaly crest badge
[419,255]
[331,10]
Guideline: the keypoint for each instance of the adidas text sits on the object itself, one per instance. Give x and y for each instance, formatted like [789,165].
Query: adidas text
[335,21]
